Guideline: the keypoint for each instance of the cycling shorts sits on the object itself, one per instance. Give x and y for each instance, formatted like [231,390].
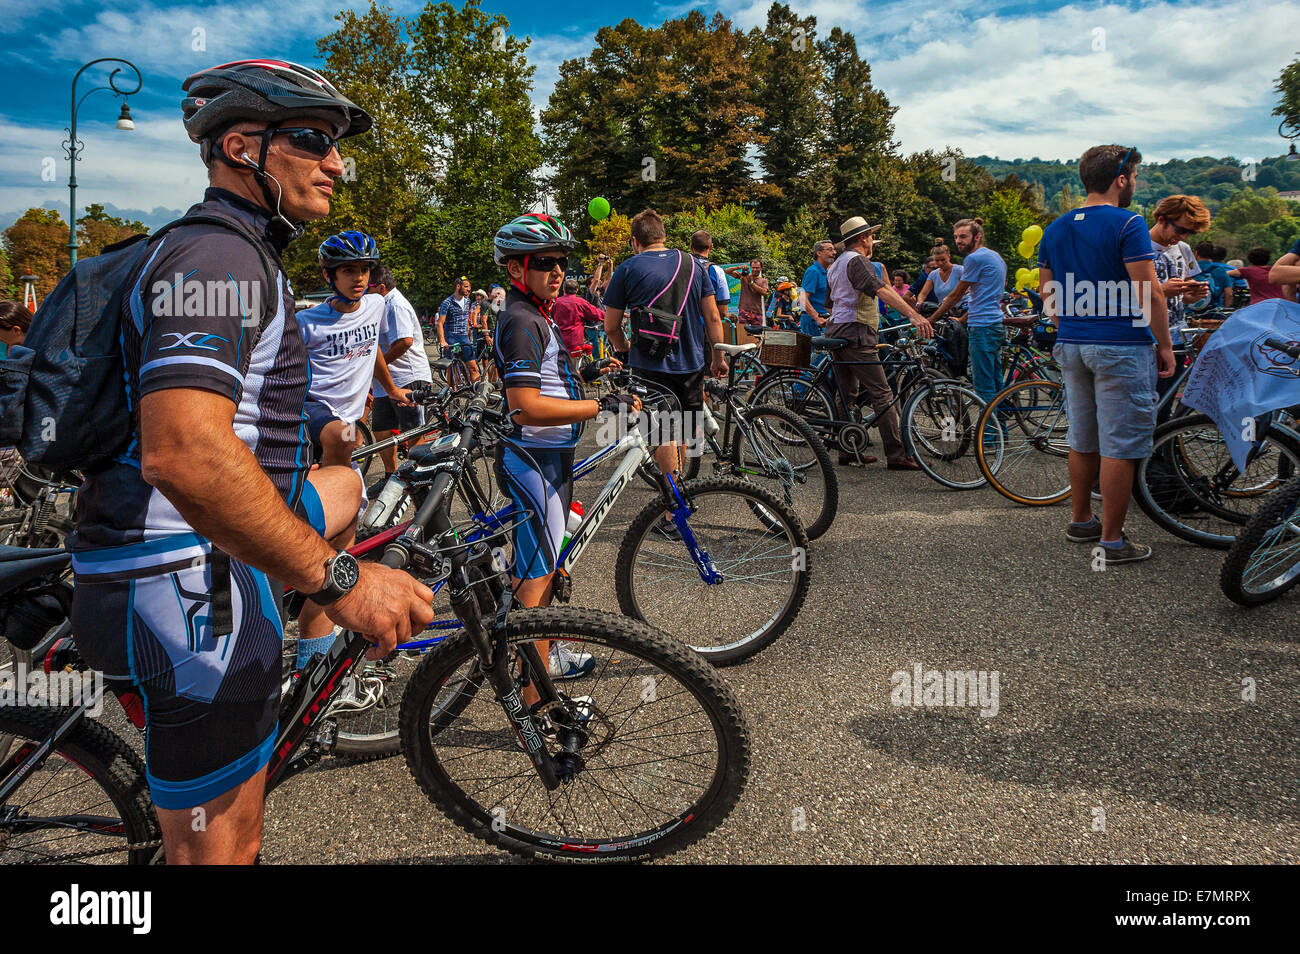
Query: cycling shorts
[210,703]
[544,489]
[310,508]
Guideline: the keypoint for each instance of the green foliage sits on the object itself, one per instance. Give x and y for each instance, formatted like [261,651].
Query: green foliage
[1288,107]
[96,230]
[788,69]
[1006,215]
[452,155]
[38,244]
[8,289]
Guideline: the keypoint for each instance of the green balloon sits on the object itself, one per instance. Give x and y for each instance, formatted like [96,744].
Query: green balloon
[598,208]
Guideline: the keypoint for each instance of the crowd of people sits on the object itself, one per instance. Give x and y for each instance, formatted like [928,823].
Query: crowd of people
[222,416]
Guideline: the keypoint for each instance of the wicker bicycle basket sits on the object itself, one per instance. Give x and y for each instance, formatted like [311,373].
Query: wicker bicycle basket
[785,349]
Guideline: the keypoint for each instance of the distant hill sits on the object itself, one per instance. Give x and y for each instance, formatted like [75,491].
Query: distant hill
[1212,179]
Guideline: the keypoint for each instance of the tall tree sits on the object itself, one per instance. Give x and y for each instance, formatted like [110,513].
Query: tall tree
[474,108]
[655,116]
[96,230]
[787,66]
[38,243]
[866,176]
[7,286]
[387,176]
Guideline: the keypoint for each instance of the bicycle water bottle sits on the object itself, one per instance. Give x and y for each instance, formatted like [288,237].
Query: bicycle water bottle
[383,505]
[572,524]
[710,423]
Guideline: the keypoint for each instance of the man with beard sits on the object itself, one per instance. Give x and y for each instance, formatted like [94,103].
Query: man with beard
[1111,346]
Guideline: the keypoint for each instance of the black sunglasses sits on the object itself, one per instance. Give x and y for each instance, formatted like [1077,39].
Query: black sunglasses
[540,263]
[1124,162]
[314,142]
[1178,229]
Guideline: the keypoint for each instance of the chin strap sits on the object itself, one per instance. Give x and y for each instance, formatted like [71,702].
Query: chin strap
[335,288]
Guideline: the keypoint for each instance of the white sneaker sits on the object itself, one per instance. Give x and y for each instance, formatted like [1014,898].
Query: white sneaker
[564,663]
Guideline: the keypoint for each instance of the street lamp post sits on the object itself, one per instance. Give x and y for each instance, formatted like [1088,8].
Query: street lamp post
[73,147]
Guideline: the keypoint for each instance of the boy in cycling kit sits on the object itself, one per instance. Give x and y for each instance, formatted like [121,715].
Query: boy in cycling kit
[545,403]
[342,338]
[177,540]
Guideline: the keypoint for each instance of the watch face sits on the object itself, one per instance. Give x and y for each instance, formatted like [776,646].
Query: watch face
[345,571]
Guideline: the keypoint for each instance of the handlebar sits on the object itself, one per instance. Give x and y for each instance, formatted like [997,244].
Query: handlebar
[1286,347]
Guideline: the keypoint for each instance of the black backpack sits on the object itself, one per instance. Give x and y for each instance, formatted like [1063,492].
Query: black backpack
[954,346]
[657,328]
[63,399]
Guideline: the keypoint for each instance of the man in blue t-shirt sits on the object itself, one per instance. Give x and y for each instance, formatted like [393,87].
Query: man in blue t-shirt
[984,277]
[1098,280]
[1215,273]
[814,284]
[644,278]
[701,248]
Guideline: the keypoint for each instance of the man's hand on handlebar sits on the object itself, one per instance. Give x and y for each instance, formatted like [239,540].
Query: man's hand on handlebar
[922,326]
[386,606]
[621,401]
[402,397]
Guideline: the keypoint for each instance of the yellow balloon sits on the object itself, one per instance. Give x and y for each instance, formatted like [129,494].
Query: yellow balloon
[1032,234]
[1022,274]
[1025,249]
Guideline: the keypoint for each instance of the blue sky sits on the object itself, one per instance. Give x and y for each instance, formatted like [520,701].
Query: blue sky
[1013,79]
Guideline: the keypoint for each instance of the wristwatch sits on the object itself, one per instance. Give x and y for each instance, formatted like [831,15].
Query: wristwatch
[341,574]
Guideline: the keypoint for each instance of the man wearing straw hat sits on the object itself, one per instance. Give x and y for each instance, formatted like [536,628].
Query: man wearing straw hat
[854,287]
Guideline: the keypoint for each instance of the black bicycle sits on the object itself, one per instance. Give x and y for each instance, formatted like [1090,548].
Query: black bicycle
[938,415]
[640,758]
[772,446]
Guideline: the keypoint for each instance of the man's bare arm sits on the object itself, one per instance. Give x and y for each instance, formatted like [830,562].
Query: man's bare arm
[614,328]
[189,451]
[398,348]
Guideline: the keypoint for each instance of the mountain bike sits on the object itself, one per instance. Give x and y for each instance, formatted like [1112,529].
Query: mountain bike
[720,562]
[769,445]
[38,509]
[650,757]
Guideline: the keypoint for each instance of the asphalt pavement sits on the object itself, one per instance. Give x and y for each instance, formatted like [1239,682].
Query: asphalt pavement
[1139,716]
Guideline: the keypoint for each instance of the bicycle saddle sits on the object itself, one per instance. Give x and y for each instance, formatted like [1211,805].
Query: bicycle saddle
[1025,323]
[734,349]
[755,330]
[20,565]
[442,364]
[823,343]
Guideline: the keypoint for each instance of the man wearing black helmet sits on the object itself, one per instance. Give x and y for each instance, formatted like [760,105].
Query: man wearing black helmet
[178,540]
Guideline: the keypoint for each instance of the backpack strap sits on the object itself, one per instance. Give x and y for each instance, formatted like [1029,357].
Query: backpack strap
[223,618]
[679,286]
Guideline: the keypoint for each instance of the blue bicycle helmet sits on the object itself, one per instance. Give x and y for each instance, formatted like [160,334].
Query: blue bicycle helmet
[350,246]
[346,247]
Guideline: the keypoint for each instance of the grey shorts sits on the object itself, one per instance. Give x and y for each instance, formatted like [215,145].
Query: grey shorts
[1110,398]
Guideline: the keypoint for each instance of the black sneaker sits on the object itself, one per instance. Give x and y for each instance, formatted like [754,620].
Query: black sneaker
[1089,532]
[1130,552]
[667,530]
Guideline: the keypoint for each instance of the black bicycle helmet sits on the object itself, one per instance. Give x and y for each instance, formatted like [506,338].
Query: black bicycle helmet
[531,233]
[273,91]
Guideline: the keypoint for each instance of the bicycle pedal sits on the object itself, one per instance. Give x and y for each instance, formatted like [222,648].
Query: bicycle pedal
[562,588]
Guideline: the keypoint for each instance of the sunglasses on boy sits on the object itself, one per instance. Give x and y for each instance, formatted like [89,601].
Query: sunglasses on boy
[544,263]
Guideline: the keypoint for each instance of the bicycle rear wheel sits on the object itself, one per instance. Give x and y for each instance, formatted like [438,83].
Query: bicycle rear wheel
[1190,486]
[939,432]
[1024,449]
[87,804]
[753,541]
[664,751]
[1264,560]
[782,453]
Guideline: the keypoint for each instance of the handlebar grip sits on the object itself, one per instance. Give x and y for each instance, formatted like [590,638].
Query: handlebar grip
[1285,347]
[395,556]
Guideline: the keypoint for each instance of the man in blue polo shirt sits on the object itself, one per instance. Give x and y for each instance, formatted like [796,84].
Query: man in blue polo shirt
[814,287]
[1098,279]
[984,277]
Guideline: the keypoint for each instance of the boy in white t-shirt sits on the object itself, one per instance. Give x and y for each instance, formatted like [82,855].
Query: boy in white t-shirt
[342,339]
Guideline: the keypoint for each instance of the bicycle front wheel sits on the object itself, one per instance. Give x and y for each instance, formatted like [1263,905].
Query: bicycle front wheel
[1024,448]
[781,452]
[87,804]
[737,590]
[664,751]
[1264,560]
[939,431]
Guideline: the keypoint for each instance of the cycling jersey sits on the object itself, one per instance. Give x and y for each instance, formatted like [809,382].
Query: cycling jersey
[143,607]
[180,330]
[457,321]
[529,352]
[342,351]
